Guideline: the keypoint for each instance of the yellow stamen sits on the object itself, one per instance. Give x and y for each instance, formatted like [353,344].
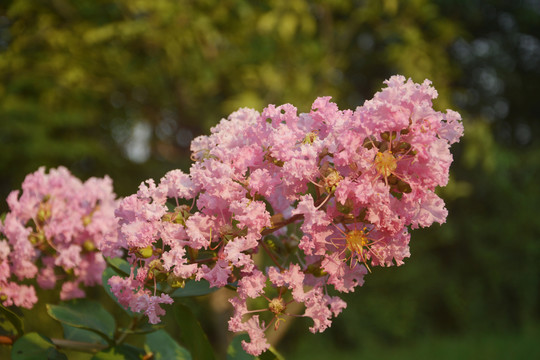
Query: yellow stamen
[356,241]
[276,306]
[385,163]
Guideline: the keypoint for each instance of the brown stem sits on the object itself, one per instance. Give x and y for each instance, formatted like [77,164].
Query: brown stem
[206,260]
[281,224]
[269,252]
[292,219]
[132,325]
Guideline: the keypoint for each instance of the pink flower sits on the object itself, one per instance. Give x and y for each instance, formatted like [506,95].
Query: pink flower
[317,308]
[255,330]
[343,276]
[312,216]
[178,184]
[452,128]
[46,278]
[71,290]
[217,276]
[293,278]
[143,302]
[250,214]
[18,295]
[326,195]
[252,285]
[70,257]
[60,222]
[123,289]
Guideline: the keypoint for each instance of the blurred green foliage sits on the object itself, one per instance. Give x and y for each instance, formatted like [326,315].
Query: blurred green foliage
[120,88]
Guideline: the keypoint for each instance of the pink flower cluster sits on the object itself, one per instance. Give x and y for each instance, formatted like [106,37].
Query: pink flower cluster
[326,195]
[53,233]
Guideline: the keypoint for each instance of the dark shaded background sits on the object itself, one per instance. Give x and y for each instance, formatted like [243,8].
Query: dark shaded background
[121,87]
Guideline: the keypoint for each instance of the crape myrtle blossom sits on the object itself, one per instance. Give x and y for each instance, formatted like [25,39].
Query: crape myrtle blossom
[53,233]
[325,195]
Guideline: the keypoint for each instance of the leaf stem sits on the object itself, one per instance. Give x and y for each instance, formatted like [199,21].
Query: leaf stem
[132,325]
[79,345]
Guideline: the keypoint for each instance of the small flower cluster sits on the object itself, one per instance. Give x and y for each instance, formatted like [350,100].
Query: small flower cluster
[326,195]
[53,233]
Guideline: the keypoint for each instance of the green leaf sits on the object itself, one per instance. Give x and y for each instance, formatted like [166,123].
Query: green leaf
[194,288]
[85,314]
[33,346]
[164,347]
[120,352]
[107,274]
[13,319]
[78,334]
[121,266]
[235,350]
[191,333]
[144,329]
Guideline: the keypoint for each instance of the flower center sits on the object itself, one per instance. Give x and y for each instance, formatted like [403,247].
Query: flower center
[276,306]
[385,163]
[356,241]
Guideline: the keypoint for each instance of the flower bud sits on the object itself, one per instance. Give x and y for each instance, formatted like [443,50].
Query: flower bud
[33,239]
[404,187]
[175,281]
[156,264]
[270,241]
[37,238]
[88,245]
[403,147]
[387,135]
[370,141]
[86,220]
[145,252]
[159,275]
[316,270]
[344,208]
[331,180]
[43,214]
[182,214]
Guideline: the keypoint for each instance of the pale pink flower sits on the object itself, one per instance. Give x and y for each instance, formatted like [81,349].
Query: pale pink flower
[252,285]
[71,290]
